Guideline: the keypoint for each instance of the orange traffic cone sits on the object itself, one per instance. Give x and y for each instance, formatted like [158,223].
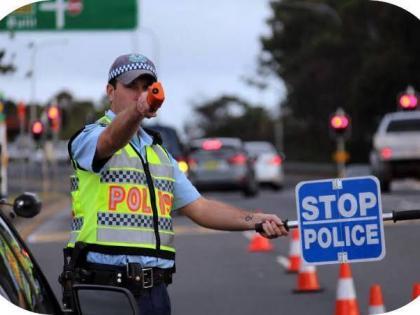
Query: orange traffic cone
[294,252]
[260,244]
[346,303]
[376,302]
[307,281]
[416,290]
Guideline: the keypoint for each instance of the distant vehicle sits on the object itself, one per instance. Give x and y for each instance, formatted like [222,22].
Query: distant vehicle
[61,154]
[268,163]
[173,144]
[21,149]
[396,148]
[222,163]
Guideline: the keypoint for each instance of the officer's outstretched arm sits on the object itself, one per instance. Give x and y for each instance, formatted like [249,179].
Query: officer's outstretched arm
[221,216]
[122,128]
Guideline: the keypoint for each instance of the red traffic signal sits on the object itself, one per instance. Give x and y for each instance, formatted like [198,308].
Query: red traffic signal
[407,101]
[21,109]
[339,123]
[37,129]
[53,112]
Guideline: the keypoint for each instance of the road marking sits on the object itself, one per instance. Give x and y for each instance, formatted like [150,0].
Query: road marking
[63,236]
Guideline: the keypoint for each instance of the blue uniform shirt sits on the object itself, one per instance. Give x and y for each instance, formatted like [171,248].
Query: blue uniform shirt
[83,150]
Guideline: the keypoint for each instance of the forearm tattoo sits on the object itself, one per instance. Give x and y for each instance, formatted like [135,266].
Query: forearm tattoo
[248,218]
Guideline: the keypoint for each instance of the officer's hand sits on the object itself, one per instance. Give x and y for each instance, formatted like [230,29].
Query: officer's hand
[143,107]
[272,225]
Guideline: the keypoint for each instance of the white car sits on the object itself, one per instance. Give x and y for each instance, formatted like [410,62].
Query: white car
[396,148]
[268,163]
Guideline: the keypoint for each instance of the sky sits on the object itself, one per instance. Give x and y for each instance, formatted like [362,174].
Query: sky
[202,49]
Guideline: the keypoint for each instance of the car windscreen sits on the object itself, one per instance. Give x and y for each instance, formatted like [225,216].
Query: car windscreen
[404,125]
[170,140]
[258,148]
[222,153]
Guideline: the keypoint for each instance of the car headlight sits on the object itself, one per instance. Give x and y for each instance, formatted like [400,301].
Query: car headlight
[183,166]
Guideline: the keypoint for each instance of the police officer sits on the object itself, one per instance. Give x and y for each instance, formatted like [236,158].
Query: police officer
[124,188]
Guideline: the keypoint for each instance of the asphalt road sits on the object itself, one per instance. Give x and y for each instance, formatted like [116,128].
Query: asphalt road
[217,275]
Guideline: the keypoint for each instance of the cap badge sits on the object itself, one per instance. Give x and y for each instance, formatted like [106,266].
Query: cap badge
[137,58]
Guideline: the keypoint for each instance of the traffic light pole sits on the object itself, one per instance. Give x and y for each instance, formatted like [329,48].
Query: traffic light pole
[340,128]
[341,162]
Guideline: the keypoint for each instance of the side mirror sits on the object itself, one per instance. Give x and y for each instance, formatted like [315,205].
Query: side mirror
[27,205]
[105,300]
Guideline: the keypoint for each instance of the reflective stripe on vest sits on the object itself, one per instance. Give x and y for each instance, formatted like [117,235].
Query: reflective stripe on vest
[134,236]
[76,226]
[73,238]
[122,157]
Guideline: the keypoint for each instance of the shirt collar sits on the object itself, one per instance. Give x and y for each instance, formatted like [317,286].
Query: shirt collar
[143,136]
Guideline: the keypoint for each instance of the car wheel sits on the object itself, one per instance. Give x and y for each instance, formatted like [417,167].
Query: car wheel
[251,189]
[276,186]
[385,186]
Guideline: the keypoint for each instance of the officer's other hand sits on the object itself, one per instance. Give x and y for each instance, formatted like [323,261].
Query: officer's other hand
[272,225]
[143,107]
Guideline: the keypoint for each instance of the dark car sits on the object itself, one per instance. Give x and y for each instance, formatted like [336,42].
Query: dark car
[21,280]
[222,163]
[173,144]
[23,283]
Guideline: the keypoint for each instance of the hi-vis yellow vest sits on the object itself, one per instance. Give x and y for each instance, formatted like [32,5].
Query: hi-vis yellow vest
[126,208]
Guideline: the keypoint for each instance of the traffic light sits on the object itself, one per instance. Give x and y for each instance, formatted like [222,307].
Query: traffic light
[21,111]
[407,101]
[37,130]
[340,131]
[339,123]
[53,114]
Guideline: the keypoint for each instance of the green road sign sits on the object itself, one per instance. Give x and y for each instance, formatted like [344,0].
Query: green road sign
[73,15]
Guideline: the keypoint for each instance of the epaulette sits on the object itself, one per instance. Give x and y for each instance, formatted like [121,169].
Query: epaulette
[157,138]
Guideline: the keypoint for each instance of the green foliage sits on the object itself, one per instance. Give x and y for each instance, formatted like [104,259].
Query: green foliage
[77,115]
[229,116]
[353,54]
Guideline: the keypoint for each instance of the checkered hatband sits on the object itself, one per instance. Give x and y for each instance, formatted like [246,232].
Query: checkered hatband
[132,66]
[123,176]
[76,224]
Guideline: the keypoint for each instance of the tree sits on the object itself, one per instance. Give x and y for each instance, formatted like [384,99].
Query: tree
[229,116]
[353,54]
[74,113]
